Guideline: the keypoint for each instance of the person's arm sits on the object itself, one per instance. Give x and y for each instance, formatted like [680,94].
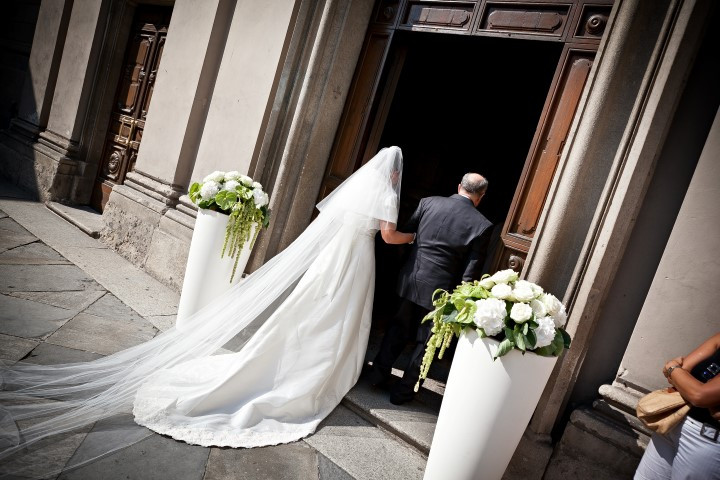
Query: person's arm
[390,234]
[704,395]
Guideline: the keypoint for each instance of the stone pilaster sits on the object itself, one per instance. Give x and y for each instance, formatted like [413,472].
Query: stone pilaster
[315,81]
[16,145]
[141,220]
[612,150]
[245,84]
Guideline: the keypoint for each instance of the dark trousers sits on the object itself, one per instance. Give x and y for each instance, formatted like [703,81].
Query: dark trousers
[405,327]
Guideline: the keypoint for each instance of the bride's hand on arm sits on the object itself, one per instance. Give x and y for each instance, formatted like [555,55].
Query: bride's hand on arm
[392,236]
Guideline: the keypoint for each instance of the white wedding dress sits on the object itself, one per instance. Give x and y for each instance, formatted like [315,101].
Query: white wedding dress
[291,374]
[317,299]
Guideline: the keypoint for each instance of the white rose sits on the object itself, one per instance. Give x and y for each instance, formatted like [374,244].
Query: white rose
[257,185]
[504,276]
[552,304]
[261,198]
[537,289]
[216,176]
[538,308]
[545,332]
[487,283]
[245,180]
[501,290]
[523,291]
[233,175]
[560,317]
[230,185]
[209,189]
[489,315]
[521,312]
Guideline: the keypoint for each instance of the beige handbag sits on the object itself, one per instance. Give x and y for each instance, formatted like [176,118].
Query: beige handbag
[661,410]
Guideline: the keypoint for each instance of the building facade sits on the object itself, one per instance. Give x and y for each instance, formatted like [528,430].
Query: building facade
[595,121]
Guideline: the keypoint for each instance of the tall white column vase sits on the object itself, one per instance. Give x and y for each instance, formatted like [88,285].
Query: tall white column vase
[485,409]
[207,276]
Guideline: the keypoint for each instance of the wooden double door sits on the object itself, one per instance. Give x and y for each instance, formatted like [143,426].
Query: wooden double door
[484,86]
[132,99]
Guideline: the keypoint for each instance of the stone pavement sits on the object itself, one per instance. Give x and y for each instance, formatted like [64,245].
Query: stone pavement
[65,297]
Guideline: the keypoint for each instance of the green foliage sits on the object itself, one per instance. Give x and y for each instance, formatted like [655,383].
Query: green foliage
[454,312]
[239,205]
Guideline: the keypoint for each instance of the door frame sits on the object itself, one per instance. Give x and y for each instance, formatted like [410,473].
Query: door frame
[117,26]
[579,26]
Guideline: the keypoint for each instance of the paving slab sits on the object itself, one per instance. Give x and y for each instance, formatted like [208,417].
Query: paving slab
[295,461]
[132,286]
[45,458]
[44,278]
[162,322]
[3,214]
[109,306]
[363,451]
[14,348]
[46,225]
[327,470]
[156,457]
[12,235]
[102,335]
[36,253]
[49,354]
[29,319]
[76,301]
[108,437]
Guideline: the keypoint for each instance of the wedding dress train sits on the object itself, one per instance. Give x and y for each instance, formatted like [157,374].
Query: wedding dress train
[290,375]
[317,297]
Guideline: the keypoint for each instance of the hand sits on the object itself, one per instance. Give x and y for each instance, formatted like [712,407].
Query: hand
[715,412]
[675,362]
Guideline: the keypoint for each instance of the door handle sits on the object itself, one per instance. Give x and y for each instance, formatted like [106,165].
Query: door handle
[131,123]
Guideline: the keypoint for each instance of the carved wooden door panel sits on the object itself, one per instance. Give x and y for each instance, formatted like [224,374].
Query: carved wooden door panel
[132,101]
[355,127]
[547,147]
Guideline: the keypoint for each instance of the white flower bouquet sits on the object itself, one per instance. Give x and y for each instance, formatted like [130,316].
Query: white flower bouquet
[516,313]
[239,197]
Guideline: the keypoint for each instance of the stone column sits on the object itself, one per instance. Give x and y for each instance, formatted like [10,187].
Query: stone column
[16,145]
[44,63]
[176,121]
[59,144]
[680,310]
[243,92]
[245,85]
[601,180]
[295,152]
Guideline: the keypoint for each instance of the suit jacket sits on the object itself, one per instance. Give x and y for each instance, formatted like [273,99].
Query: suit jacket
[451,244]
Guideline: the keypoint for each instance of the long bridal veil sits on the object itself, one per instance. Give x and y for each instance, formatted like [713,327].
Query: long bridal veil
[43,406]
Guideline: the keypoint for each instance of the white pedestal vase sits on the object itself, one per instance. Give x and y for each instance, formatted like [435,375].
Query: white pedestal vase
[207,276]
[485,409]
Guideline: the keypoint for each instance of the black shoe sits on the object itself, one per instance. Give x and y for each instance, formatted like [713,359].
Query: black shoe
[375,378]
[399,398]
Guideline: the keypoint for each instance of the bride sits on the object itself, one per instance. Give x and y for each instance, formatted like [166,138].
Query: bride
[314,301]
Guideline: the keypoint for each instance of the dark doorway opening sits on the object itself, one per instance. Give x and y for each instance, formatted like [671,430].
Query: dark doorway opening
[460,104]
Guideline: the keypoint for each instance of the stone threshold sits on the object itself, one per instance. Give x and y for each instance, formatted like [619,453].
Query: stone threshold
[84,218]
[412,423]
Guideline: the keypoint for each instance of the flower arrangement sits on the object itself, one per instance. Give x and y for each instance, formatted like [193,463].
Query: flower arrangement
[241,198]
[517,313]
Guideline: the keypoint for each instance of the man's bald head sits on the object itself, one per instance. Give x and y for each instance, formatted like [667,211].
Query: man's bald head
[473,186]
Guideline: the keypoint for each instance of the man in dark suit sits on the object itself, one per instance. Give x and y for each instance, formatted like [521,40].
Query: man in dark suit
[450,246]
